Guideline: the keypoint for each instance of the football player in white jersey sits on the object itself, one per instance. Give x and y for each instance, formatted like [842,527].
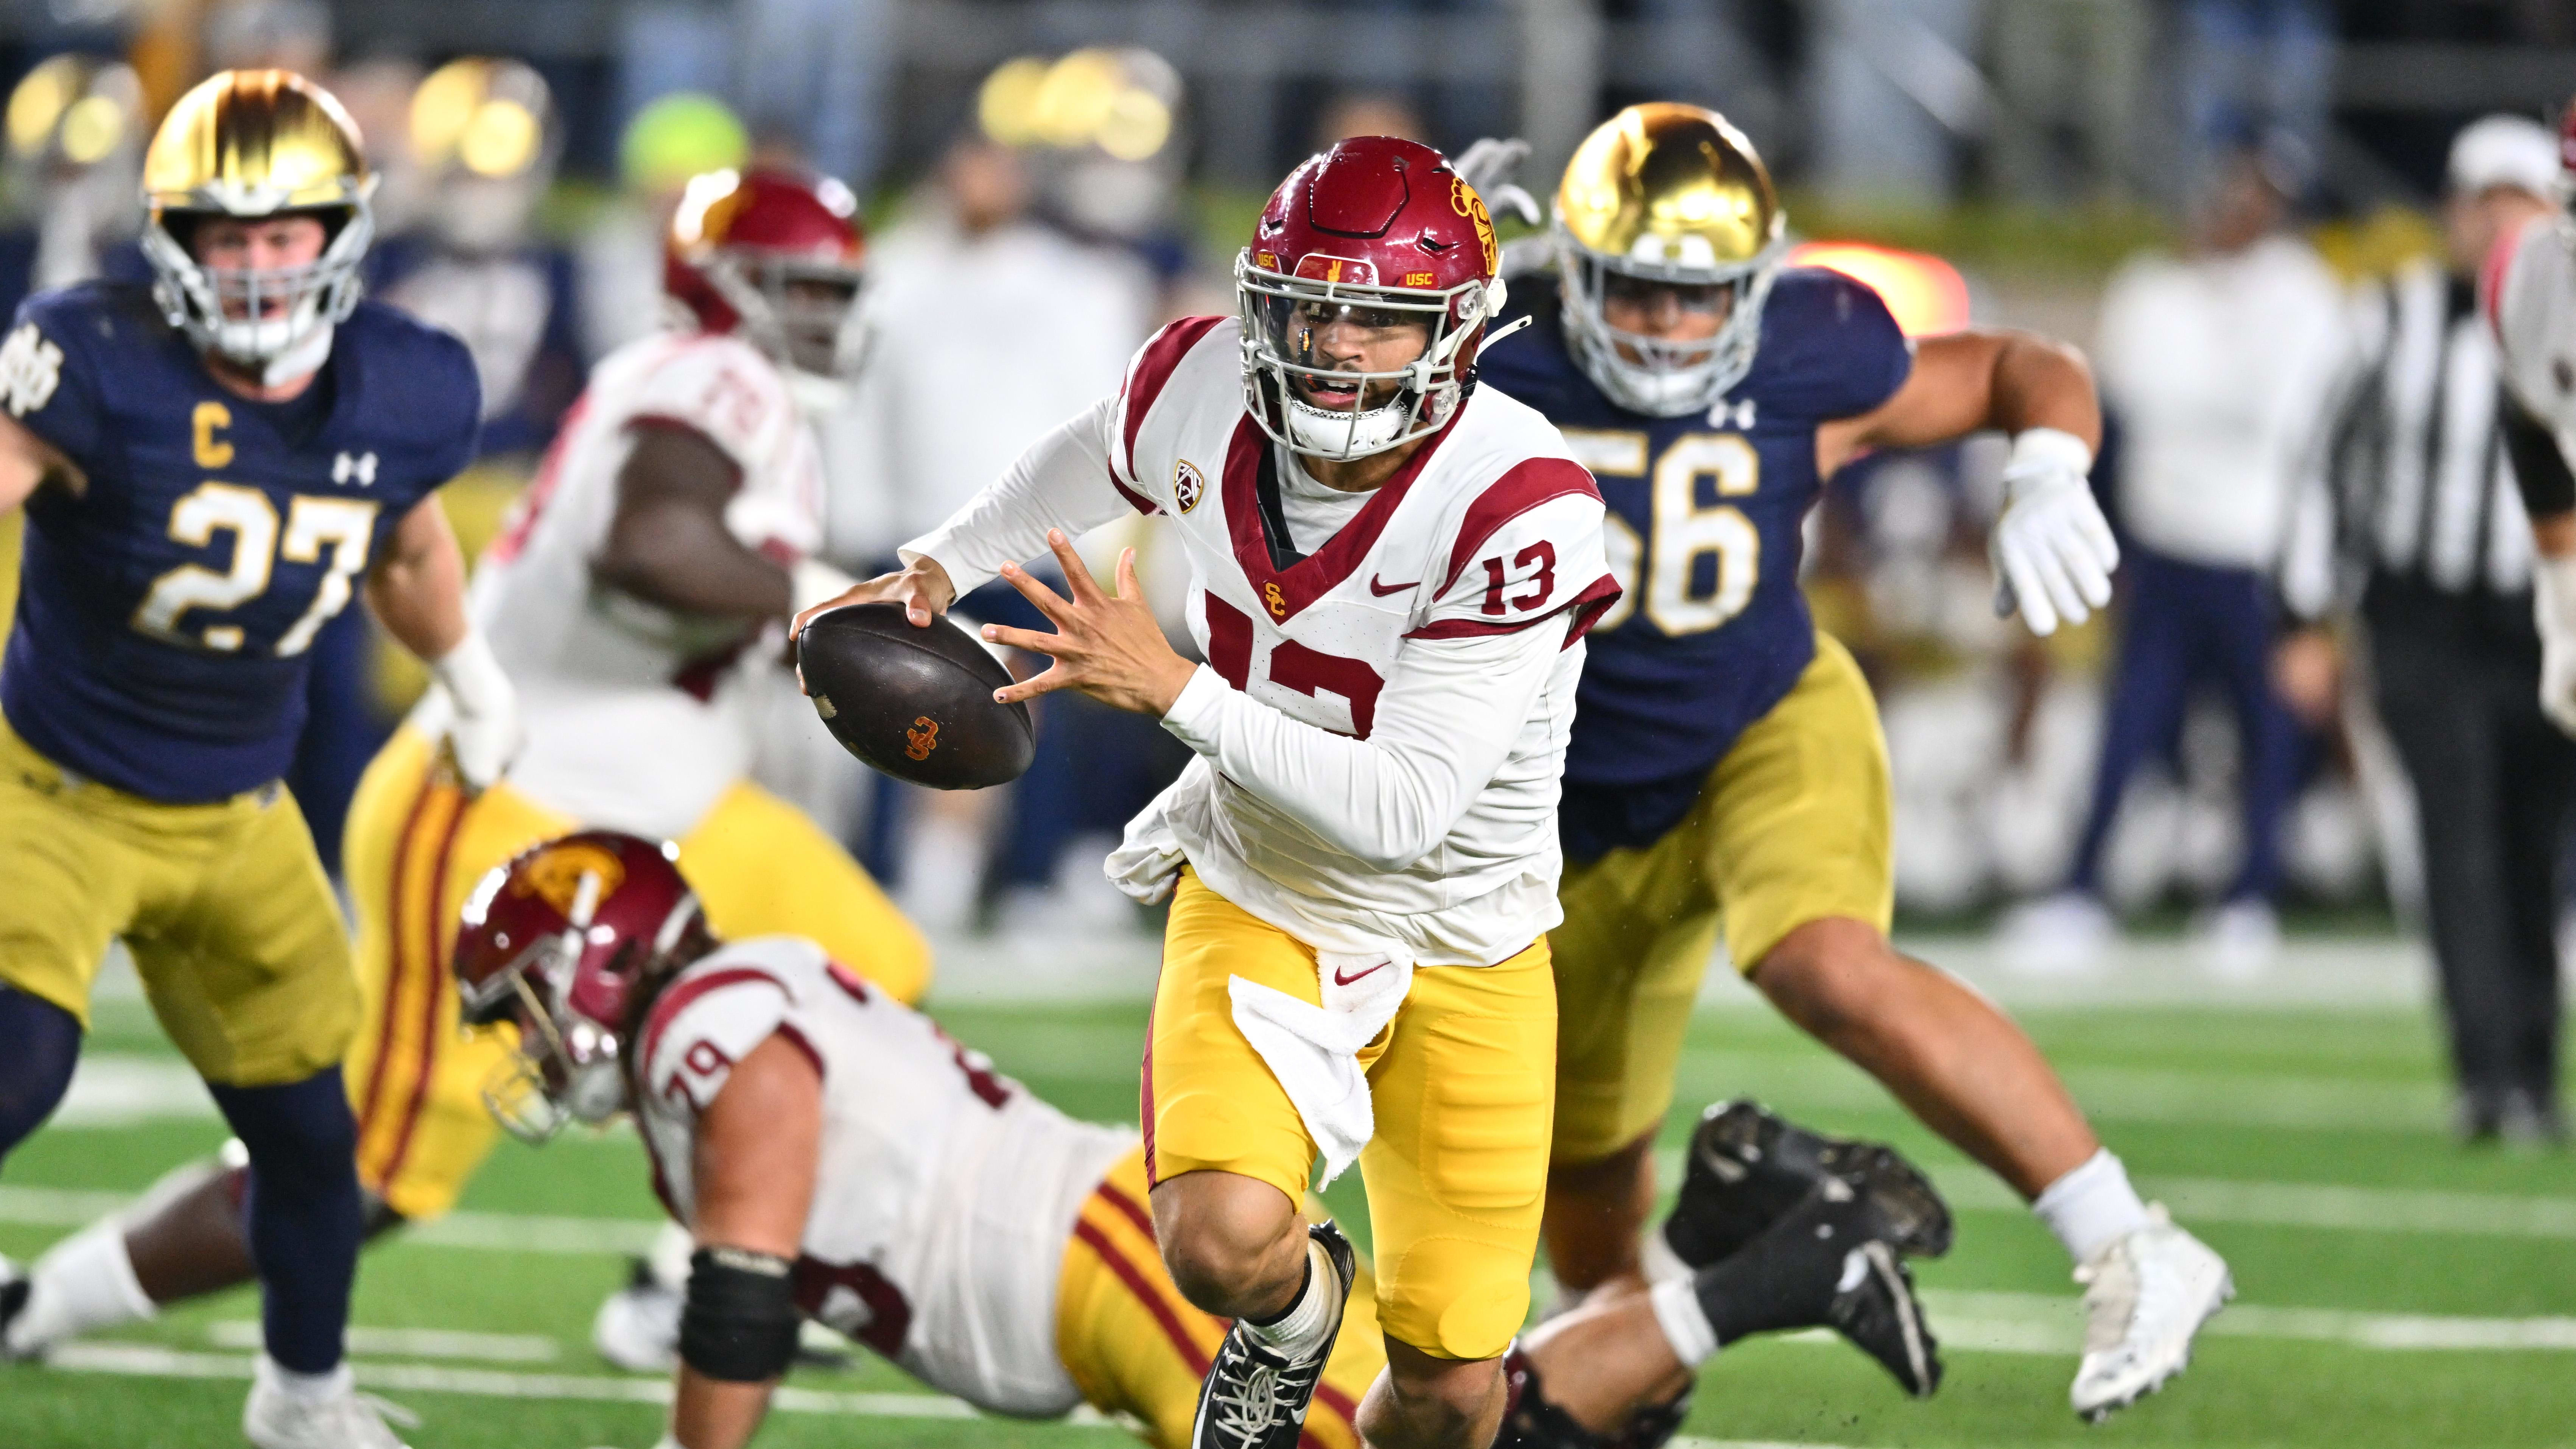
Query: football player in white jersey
[634,597]
[1391,575]
[2529,290]
[834,1156]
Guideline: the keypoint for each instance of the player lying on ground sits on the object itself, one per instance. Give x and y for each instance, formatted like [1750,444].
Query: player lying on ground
[1391,574]
[835,1156]
[641,585]
[212,468]
[1726,768]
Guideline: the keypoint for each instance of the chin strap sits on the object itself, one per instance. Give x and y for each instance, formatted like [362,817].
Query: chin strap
[300,359]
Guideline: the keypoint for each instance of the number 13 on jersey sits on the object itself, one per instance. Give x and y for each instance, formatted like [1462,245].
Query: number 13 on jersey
[1662,572]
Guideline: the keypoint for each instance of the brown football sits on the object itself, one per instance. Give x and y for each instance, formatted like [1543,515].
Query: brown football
[915,703]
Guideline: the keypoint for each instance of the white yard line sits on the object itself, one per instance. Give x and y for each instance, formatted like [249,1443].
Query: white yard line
[244,1334]
[488,1232]
[2289,1204]
[146,1361]
[2038,1323]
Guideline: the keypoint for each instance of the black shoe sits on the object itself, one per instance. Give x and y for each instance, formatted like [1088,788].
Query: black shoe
[1827,1262]
[1255,1399]
[1747,1167]
[14,1287]
[1875,1307]
[1531,1422]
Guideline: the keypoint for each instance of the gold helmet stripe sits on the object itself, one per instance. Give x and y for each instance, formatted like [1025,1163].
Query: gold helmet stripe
[1670,188]
[254,142]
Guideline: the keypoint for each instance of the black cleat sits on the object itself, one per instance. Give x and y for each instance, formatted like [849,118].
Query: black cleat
[1875,1307]
[14,1287]
[1746,1168]
[1254,1398]
[1827,1263]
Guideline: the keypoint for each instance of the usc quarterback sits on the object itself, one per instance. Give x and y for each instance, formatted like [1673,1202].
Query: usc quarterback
[634,601]
[1391,574]
[834,1156]
[1727,770]
[212,467]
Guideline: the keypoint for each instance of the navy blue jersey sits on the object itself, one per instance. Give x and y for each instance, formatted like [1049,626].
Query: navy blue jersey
[1704,531]
[171,595]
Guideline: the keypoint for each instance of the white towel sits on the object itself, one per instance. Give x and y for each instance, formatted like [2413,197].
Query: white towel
[1314,1051]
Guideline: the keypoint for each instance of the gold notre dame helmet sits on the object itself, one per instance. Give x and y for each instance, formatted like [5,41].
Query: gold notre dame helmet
[257,143]
[1667,196]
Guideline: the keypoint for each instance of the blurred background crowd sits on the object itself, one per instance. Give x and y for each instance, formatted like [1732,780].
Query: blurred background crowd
[2261,218]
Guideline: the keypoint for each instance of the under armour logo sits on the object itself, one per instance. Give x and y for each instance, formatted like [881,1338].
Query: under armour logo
[1735,415]
[361,466]
[30,369]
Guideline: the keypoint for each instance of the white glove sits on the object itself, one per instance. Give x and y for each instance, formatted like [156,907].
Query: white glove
[2553,607]
[2052,549]
[1488,166]
[483,729]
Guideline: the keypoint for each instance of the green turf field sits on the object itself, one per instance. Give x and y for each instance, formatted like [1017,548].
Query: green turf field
[2393,1290]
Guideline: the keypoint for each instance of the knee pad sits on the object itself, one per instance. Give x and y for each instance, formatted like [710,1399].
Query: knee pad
[44,1045]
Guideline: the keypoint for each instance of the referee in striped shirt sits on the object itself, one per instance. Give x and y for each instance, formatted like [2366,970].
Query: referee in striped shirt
[2419,513]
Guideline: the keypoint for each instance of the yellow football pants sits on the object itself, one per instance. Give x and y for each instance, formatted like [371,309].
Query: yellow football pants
[1793,826]
[1136,1347]
[232,923]
[417,846]
[1458,1166]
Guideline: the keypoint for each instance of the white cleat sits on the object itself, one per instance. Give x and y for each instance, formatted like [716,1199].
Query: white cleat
[346,1419]
[2145,1298]
[638,1327]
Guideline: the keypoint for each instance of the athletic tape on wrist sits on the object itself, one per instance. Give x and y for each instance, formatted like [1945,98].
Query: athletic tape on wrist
[739,1322]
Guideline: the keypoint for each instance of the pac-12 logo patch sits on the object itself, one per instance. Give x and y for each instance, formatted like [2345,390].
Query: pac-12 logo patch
[922,738]
[1189,485]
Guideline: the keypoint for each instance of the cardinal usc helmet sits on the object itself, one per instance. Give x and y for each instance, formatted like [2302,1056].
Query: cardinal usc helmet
[773,257]
[1668,199]
[557,943]
[257,143]
[1382,233]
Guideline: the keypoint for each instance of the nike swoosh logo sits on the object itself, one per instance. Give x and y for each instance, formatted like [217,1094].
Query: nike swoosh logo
[1382,590]
[1341,980]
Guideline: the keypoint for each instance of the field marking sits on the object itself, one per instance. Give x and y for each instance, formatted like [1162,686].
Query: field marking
[244,1333]
[2288,1204]
[2037,1323]
[485,1232]
[127,1089]
[145,1361]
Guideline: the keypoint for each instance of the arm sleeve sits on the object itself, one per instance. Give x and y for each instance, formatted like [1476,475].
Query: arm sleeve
[1444,726]
[1062,481]
[2540,467]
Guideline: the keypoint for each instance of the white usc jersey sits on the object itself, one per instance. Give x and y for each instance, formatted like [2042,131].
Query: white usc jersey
[1380,769]
[2530,294]
[636,715]
[946,1193]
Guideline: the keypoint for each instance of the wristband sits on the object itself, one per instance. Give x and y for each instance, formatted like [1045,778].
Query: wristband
[2039,452]
[472,675]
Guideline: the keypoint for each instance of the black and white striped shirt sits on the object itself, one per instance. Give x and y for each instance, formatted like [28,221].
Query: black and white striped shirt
[2412,486]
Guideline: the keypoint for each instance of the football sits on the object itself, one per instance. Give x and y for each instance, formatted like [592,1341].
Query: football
[915,703]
